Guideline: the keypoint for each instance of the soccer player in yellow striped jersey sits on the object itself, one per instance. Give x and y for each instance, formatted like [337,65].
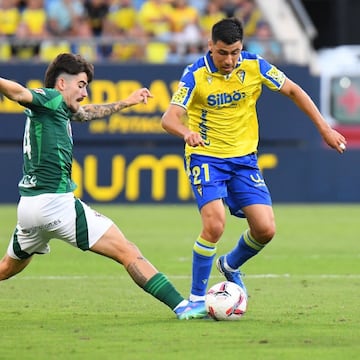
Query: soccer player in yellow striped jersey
[218,95]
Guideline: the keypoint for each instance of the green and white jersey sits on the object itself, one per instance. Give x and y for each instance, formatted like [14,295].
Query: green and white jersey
[47,146]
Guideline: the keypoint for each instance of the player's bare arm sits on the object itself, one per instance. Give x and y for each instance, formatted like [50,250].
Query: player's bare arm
[92,111]
[333,138]
[172,122]
[14,91]
[97,111]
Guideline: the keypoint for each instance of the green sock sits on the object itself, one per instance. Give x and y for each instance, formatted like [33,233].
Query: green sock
[162,289]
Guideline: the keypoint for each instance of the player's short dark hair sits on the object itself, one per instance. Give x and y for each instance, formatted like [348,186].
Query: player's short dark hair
[70,64]
[229,31]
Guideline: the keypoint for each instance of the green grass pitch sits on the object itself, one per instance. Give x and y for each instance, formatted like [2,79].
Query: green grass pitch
[304,292]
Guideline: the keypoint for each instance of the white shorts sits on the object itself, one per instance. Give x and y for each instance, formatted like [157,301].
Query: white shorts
[55,216]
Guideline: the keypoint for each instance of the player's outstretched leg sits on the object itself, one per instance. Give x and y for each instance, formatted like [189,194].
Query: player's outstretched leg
[114,245]
[10,267]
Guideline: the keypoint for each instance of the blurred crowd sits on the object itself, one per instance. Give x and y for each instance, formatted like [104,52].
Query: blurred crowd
[154,31]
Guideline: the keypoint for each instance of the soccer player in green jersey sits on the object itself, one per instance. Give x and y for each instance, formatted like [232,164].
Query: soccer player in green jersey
[47,207]
[218,94]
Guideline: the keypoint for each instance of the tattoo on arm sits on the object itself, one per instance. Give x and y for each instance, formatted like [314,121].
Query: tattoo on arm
[136,274]
[91,111]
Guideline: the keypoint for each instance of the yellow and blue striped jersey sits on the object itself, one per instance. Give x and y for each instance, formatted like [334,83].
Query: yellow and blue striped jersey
[222,108]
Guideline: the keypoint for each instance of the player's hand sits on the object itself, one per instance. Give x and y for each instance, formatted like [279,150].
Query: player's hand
[193,139]
[139,96]
[335,140]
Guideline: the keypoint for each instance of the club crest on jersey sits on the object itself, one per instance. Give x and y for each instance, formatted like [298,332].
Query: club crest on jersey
[241,75]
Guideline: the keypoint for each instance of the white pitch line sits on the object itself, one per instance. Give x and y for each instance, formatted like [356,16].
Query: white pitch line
[256,276]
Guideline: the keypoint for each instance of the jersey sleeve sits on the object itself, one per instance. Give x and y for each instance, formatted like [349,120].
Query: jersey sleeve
[273,78]
[185,89]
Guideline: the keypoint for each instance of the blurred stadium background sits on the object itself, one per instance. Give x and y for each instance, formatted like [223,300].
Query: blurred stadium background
[133,43]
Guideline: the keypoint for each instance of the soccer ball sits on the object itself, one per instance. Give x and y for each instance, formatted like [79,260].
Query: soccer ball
[226,301]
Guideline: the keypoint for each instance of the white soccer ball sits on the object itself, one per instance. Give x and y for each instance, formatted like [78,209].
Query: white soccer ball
[226,301]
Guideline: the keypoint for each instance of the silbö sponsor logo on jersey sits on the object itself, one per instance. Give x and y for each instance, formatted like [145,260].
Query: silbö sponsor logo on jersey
[225,98]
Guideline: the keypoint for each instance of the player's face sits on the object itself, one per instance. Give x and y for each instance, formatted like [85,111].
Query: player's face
[73,89]
[225,56]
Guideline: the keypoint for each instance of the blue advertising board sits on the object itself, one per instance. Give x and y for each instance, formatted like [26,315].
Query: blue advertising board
[134,173]
[129,158]
[114,82]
